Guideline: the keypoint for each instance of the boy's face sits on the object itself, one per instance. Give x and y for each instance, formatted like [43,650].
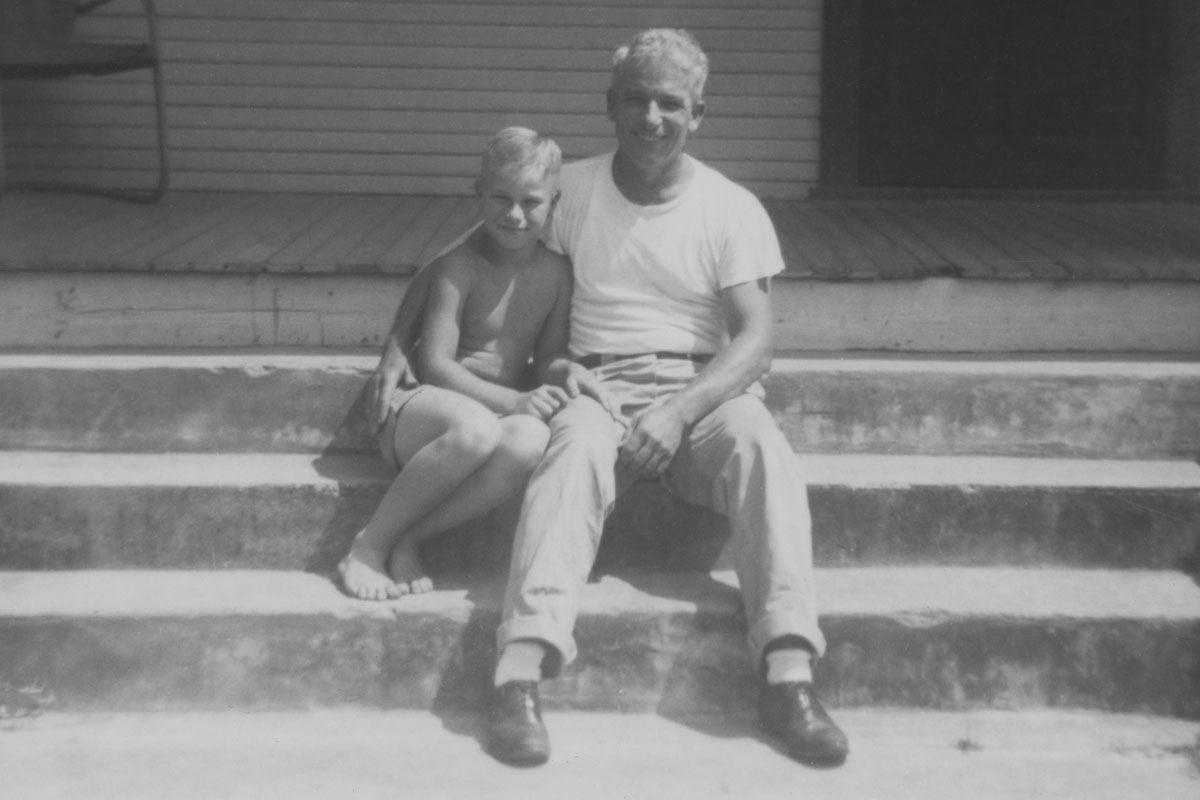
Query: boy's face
[654,112]
[516,204]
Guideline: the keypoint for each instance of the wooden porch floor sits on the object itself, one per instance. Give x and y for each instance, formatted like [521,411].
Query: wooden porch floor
[821,239]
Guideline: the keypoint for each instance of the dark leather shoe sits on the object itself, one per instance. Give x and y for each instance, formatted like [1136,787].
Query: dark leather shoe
[792,712]
[515,732]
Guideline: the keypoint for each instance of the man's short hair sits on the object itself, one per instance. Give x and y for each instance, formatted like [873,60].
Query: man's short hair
[523,148]
[676,44]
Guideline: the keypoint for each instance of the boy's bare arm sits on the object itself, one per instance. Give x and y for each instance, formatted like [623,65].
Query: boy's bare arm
[398,346]
[440,333]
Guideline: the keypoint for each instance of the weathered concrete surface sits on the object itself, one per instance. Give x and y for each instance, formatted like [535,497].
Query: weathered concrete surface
[83,309]
[1020,407]
[362,754]
[929,638]
[174,309]
[278,401]
[185,401]
[294,511]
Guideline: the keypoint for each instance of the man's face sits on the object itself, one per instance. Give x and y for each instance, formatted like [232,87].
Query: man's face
[654,112]
[516,205]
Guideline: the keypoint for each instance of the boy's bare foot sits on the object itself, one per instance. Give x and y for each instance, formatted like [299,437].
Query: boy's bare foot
[363,576]
[405,568]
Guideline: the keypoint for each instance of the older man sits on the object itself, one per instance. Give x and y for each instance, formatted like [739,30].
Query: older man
[672,312]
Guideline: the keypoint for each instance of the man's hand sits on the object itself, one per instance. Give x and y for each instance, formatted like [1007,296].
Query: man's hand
[382,383]
[543,402]
[652,440]
[580,380]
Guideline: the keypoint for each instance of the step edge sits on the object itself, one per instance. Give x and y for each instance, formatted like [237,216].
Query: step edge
[913,596]
[364,360]
[854,470]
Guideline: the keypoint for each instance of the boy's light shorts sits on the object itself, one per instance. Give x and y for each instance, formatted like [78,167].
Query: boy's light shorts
[387,436]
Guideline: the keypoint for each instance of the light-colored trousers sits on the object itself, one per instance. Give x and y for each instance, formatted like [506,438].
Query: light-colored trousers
[735,461]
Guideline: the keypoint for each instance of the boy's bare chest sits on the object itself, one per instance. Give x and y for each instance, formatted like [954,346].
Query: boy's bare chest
[516,305]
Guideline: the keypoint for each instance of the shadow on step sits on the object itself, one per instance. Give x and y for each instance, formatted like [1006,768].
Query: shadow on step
[685,664]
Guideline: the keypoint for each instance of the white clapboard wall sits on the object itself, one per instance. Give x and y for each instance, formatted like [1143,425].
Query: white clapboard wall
[392,96]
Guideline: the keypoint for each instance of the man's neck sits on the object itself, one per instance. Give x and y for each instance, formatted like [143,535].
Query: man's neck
[651,187]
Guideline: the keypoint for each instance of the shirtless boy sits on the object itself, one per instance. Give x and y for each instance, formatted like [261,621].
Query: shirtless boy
[463,434]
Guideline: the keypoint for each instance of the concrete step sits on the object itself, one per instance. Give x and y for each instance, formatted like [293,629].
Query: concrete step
[296,511]
[895,754]
[280,401]
[934,638]
[139,309]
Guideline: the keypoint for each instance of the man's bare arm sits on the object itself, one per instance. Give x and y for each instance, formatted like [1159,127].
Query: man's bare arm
[550,350]
[398,346]
[553,362]
[655,434]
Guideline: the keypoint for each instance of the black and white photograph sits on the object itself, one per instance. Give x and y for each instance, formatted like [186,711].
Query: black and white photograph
[631,400]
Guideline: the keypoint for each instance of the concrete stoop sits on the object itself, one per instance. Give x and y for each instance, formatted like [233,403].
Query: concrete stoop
[1052,405]
[991,533]
[926,637]
[895,755]
[60,307]
[69,510]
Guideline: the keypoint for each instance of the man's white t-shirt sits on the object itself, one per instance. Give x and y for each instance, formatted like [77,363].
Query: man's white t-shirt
[649,278]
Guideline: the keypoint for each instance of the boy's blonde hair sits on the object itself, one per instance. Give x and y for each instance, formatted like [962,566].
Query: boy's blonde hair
[523,148]
[653,44]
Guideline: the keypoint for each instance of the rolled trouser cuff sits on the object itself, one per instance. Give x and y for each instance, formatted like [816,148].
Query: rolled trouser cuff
[781,624]
[560,646]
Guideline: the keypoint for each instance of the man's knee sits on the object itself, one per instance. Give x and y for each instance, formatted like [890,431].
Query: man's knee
[745,422]
[584,427]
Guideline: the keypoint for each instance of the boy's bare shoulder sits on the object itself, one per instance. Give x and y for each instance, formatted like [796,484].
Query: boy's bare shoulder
[551,262]
[457,263]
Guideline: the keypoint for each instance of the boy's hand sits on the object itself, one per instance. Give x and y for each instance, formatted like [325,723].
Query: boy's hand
[382,383]
[541,402]
[581,381]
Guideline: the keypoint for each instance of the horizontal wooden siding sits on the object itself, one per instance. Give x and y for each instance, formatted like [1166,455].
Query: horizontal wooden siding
[388,96]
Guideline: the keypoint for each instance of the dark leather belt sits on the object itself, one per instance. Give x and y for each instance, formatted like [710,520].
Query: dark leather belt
[593,360]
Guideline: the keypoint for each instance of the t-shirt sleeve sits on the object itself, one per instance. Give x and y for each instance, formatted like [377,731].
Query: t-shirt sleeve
[750,249]
[568,212]
[555,233]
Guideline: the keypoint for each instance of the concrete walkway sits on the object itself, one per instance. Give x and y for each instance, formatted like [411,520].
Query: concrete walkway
[369,754]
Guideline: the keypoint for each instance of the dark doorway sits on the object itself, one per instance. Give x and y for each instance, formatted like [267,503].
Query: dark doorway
[1047,94]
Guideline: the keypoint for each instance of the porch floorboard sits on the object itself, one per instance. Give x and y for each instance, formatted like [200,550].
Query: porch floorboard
[825,239]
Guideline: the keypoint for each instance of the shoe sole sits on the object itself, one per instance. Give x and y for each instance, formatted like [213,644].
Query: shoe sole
[523,757]
[520,759]
[808,759]
[822,761]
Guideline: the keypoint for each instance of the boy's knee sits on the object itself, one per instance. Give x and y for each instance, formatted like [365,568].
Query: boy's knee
[474,437]
[524,442]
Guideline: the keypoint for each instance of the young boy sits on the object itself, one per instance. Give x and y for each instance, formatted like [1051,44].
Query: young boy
[463,435]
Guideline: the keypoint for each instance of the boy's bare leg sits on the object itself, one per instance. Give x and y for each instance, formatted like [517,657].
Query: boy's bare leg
[522,443]
[444,438]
